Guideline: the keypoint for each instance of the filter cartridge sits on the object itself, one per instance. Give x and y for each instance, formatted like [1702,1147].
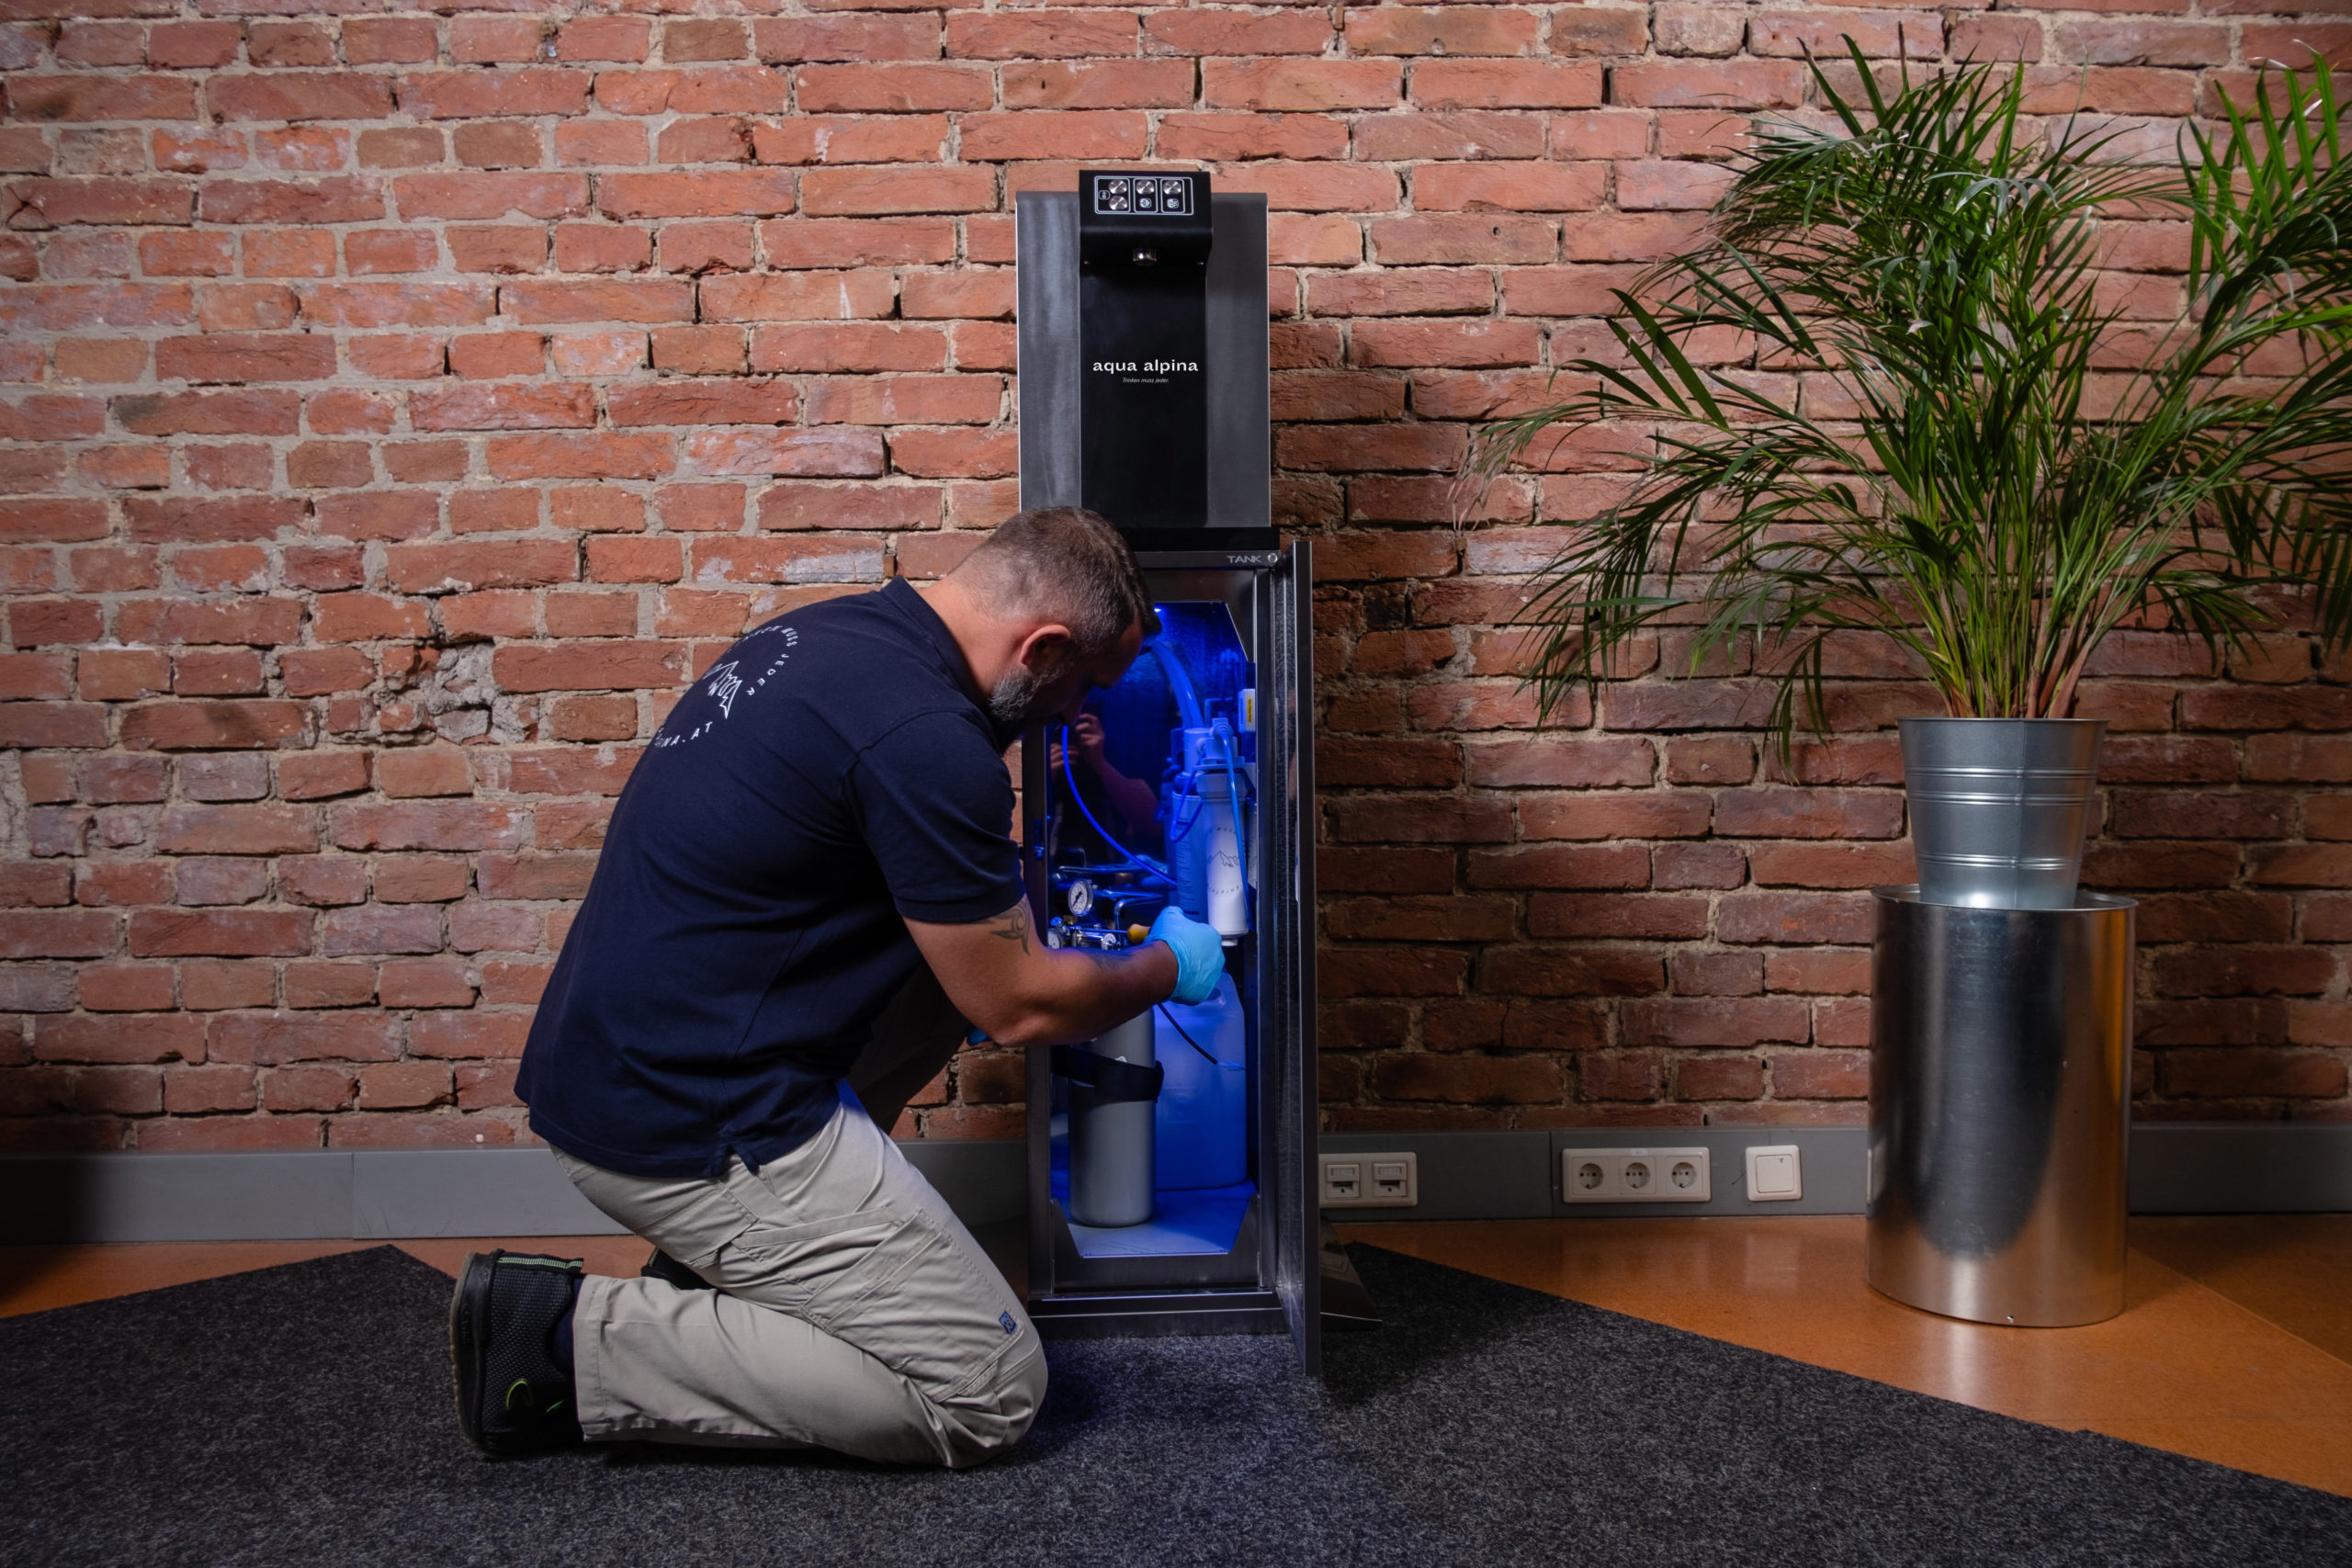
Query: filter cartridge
[1206,827]
[1225,892]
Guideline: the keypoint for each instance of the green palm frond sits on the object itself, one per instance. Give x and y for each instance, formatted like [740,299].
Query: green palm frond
[1960,470]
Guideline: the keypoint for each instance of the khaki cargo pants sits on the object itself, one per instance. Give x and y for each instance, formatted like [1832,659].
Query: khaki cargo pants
[852,1312]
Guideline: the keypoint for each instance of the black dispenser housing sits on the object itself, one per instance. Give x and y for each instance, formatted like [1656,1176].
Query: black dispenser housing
[1179,459]
[1144,243]
[1145,396]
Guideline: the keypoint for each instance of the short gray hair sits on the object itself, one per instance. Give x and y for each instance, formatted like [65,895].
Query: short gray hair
[1067,562]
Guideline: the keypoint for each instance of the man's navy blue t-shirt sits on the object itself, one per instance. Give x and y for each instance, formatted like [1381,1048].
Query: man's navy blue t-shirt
[835,772]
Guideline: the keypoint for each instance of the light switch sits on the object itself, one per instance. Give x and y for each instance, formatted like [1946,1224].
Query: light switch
[1774,1175]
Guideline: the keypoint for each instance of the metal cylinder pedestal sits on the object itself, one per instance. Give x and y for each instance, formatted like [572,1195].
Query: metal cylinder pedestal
[2000,1108]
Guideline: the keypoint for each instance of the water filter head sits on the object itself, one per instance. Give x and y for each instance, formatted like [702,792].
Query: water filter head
[1205,747]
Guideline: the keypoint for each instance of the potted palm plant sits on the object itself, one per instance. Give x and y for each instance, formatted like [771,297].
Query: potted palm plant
[1937,424]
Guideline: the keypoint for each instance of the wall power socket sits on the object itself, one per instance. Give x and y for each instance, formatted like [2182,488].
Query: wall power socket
[1634,1176]
[1370,1182]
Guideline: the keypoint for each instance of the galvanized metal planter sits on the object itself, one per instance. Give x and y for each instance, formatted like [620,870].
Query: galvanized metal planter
[1999,807]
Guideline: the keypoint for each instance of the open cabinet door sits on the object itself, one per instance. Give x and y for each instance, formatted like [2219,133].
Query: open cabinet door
[1289,912]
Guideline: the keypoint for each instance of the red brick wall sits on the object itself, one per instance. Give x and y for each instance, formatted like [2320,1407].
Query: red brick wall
[398,408]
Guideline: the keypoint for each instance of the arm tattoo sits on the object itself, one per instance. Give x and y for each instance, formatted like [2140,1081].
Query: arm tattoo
[1012,925]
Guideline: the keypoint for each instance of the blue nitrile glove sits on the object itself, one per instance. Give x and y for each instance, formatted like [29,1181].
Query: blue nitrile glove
[1200,954]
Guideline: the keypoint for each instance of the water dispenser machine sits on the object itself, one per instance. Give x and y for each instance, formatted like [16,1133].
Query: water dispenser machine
[1169,1160]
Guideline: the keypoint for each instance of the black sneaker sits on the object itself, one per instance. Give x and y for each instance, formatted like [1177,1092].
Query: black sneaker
[512,1396]
[670,1271]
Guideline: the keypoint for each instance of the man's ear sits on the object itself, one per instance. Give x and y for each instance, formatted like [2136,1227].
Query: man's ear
[1044,648]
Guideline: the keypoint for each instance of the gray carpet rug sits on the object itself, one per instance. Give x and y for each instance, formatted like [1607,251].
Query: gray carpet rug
[301,1416]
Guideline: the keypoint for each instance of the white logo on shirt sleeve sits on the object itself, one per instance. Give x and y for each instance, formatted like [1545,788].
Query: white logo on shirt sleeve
[724,684]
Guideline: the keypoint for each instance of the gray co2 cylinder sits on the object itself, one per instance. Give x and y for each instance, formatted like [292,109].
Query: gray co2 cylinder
[1111,1154]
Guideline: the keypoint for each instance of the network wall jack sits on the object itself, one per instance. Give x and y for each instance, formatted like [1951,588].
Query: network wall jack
[1371,1181]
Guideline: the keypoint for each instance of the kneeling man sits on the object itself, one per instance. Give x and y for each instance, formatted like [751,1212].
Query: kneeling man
[808,896]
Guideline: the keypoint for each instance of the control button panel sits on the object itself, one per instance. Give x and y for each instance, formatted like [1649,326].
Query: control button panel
[1120,195]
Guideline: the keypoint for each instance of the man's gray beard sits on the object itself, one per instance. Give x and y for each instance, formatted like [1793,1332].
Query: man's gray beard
[1015,689]
[1011,704]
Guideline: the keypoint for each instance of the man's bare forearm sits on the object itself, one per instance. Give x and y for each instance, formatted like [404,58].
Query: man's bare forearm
[1021,992]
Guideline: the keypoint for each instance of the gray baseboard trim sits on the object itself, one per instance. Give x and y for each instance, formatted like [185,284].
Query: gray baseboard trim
[984,1180]
[1463,1175]
[1512,1175]
[2241,1167]
[2177,1168]
[290,1196]
[380,1194]
[2225,1167]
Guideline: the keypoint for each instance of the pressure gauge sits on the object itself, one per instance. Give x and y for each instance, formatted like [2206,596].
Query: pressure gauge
[1057,933]
[1078,896]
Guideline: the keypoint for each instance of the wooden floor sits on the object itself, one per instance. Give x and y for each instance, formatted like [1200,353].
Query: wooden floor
[2236,1346]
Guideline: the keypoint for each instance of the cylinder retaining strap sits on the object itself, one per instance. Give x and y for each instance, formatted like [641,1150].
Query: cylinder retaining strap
[1111,1080]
